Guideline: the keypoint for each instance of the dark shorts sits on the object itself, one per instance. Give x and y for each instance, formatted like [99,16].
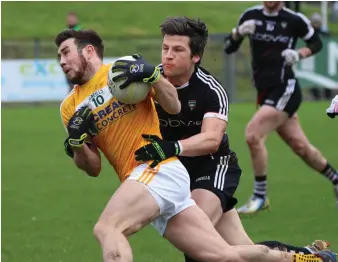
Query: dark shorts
[218,174]
[285,97]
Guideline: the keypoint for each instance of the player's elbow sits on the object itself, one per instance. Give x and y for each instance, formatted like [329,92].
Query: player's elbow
[94,171]
[214,145]
[315,44]
[174,108]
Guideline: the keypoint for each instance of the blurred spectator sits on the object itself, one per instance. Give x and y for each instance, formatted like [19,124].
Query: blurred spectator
[296,5]
[316,21]
[72,21]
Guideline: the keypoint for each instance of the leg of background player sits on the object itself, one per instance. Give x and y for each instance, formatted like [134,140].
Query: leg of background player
[291,132]
[265,121]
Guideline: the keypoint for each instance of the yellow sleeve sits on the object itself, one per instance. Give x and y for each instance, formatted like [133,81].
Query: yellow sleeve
[67,109]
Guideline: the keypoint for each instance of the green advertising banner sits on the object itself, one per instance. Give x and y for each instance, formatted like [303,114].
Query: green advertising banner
[320,70]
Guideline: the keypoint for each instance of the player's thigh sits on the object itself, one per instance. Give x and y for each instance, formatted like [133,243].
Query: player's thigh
[216,178]
[292,133]
[169,184]
[192,233]
[129,209]
[277,105]
[231,229]
[209,203]
[264,121]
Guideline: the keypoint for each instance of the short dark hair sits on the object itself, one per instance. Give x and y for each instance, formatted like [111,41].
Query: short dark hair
[195,29]
[82,39]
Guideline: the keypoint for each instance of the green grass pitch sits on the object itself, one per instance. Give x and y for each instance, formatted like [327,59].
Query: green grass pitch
[49,207]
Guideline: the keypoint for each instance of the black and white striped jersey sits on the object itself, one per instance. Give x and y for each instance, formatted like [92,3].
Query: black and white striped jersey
[274,33]
[203,96]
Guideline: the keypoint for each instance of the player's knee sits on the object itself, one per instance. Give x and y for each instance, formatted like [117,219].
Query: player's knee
[107,227]
[101,230]
[252,138]
[299,147]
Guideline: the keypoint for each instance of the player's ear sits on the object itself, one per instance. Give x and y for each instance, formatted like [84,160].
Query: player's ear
[196,58]
[90,50]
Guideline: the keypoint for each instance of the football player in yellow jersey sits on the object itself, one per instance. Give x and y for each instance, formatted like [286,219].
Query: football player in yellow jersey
[161,195]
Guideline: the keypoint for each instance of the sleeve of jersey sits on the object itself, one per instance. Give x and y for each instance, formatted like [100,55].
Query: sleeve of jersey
[305,29]
[66,111]
[230,45]
[216,102]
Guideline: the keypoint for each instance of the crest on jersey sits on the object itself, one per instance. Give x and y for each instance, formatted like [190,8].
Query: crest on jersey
[284,24]
[191,104]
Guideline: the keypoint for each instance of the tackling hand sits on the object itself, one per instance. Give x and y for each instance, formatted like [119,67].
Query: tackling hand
[291,56]
[136,71]
[78,126]
[158,150]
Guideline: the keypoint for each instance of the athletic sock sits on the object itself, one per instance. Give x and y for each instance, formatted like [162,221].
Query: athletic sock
[330,173]
[306,258]
[260,186]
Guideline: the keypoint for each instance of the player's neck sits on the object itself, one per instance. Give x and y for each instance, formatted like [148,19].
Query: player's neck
[181,79]
[92,70]
[274,10]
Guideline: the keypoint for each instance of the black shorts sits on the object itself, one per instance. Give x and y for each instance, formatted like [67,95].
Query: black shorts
[218,174]
[285,97]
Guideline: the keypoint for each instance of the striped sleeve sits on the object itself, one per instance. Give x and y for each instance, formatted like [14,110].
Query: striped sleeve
[305,29]
[216,99]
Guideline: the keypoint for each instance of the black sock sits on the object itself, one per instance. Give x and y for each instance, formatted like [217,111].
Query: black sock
[330,173]
[260,186]
[284,247]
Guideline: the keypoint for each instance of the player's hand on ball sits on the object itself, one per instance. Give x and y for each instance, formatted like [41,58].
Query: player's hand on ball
[247,28]
[135,71]
[78,126]
[291,56]
[158,150]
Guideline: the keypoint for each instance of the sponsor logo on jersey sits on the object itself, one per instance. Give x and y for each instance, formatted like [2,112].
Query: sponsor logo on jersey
[177,123]
[271,38]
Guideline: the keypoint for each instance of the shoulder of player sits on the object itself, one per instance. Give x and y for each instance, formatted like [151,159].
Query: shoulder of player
[294,15]
[205,78]
[210,83]
[252,11]
[68,100]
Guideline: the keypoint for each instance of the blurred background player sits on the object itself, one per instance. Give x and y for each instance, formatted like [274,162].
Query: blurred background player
[72,21]
[199,132]
[273,32]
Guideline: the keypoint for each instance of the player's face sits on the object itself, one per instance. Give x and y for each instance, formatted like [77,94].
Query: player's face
[176,55]
[72,61]
[271,5]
